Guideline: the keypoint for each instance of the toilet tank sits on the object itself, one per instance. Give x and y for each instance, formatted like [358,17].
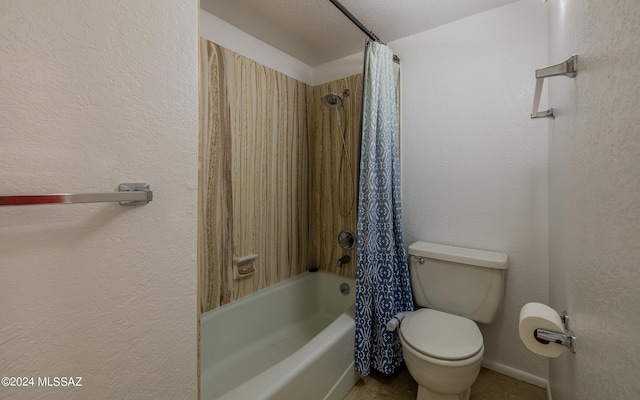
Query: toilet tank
[456,280]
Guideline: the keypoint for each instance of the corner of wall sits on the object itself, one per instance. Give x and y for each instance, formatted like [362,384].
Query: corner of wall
[224,34]
[220,32]
[517,374]
[338,69]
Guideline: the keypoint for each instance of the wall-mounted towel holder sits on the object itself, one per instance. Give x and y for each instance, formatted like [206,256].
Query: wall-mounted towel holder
[128,194]
[568,68]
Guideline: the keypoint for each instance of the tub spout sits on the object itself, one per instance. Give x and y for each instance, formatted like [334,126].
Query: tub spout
[346,259]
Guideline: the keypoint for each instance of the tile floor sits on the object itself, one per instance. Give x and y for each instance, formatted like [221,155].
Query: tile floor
[490,385]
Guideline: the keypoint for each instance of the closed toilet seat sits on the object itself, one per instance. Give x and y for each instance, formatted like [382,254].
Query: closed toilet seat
[442,337]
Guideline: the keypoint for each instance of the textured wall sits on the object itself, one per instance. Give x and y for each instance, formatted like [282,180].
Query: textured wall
[94,94]
[253,175]
[594,208]
[333,172]
[474,165]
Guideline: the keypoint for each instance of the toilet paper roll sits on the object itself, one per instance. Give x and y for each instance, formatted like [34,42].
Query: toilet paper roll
[537,315]
[393,324]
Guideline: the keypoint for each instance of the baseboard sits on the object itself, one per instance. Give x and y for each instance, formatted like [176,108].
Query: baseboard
[518,374]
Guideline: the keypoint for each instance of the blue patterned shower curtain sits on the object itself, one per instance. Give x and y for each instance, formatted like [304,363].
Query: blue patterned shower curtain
[382,279]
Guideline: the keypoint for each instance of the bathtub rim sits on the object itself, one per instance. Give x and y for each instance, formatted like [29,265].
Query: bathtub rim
[264,291]
[277,373]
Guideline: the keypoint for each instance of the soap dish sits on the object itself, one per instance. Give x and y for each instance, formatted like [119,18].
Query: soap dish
[243,266]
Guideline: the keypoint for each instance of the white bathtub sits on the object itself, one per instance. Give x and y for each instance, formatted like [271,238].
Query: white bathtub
[293,340]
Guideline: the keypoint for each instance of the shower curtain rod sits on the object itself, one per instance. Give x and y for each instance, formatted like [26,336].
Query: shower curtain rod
[359,24]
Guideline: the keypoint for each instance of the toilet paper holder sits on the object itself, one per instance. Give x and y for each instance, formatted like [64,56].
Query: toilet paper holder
[567,339]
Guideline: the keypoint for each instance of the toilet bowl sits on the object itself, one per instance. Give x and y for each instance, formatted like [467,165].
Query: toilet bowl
[443,353]
[441,344]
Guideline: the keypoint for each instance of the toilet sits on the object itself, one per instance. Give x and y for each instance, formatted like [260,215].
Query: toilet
[441,344]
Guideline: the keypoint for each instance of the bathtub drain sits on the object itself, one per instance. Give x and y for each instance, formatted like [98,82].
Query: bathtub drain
[344,288]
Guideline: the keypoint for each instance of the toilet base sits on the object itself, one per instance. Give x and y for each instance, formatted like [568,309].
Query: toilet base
[426,394]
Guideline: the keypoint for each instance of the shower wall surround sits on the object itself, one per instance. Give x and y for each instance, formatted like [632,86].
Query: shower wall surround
[215,209]
[333,196]
[253,176]
[268,184]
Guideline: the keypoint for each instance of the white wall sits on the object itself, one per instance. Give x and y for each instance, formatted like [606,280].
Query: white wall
[340,68]
[594,207]
[226,35]
[93,94]
[474,165]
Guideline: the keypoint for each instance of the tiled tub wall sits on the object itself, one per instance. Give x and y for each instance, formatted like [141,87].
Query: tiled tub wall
[269,181]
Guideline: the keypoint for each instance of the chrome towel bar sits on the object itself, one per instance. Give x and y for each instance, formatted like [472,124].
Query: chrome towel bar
[129,194]
[568,68]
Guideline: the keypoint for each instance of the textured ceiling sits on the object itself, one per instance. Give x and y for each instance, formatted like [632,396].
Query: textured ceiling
[316,32]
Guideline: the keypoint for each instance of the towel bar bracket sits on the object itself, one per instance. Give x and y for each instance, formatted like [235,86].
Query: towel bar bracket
[568,68]
[544,114]
[136,187]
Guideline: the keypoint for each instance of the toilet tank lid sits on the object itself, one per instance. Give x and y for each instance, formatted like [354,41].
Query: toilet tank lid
[482,258]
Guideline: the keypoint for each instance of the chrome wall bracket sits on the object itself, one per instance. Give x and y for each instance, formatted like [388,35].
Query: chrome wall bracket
[136,187]
[569,68]
[567,338]
[564,317]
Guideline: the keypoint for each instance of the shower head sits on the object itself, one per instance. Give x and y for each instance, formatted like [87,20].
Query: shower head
[333,100]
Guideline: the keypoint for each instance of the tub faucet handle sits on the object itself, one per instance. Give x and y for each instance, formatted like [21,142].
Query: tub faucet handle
[345,259]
